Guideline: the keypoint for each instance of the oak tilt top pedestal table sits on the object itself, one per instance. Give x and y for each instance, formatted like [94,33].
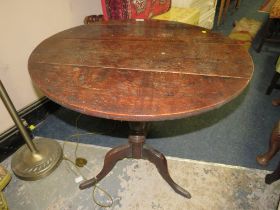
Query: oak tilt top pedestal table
[140,71]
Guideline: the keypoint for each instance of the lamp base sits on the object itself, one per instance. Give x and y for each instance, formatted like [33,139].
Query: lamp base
[33,166]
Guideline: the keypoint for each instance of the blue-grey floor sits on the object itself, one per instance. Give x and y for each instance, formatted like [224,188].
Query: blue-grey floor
[233,134]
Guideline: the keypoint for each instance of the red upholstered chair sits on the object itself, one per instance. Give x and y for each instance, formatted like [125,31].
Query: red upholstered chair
[130,9]
[133,9]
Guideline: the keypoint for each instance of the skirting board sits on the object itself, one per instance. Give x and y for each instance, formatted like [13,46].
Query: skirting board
[11,140]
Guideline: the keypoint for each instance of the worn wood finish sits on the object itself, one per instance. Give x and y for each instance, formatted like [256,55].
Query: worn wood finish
[274,146]
[137,149]
[140,71]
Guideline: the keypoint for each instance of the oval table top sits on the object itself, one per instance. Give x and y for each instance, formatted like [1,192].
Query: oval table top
[140,70]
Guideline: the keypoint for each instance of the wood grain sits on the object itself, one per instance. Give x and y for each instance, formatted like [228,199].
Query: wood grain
[140,71]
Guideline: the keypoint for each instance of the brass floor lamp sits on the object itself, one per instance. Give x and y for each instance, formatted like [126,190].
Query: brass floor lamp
[36,159]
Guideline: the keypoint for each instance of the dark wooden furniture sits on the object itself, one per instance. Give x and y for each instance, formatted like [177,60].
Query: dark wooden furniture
[140,71]
[274,147]
[224,5]
[274,142]
[266,6]
[93,18]
[272,26]
[274,81]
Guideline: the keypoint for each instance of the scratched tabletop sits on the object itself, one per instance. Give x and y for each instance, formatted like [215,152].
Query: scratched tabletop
[140,70]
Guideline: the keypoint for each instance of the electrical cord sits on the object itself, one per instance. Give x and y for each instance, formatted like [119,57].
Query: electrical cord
[95,186]
[78,172]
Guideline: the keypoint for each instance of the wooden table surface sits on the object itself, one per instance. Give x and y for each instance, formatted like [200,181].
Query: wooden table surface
[140,71]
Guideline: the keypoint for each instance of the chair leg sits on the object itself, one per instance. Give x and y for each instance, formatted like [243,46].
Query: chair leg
[260,45]
[226,9]
[221,12]
[273,83]
[237,4]
[265,34]
[276,102]
[274,146]
[93,18]
[270,178]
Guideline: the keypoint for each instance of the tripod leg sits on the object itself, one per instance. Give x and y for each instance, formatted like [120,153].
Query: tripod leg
[159,160]
[111,158]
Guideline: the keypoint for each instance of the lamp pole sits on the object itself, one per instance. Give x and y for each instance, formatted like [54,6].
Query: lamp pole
[36,159]
[11,109]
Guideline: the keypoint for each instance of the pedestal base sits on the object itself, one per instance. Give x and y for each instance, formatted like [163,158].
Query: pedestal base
[138,150]
[33,166]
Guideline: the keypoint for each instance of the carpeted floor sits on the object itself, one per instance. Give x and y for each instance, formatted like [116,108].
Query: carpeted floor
[233,134]
[136,184]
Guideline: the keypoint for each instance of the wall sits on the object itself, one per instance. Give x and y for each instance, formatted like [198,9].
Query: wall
[23,25]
